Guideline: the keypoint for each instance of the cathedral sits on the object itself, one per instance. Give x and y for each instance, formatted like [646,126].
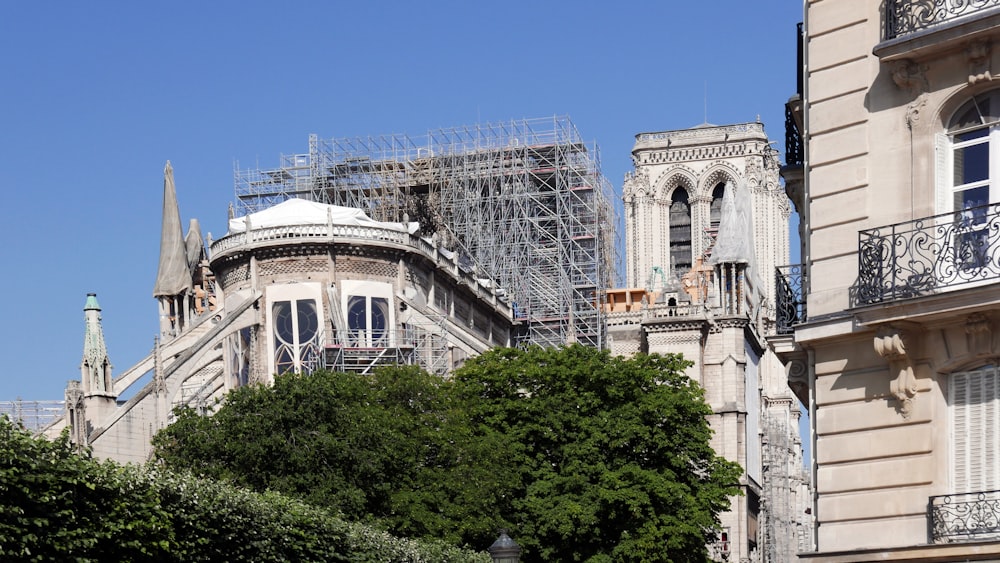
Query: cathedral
[306,278]
[298,286]
[706,223]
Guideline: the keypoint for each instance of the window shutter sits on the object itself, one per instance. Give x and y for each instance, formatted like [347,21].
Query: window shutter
[942,174]
[960,431]
[988,438]
[975,425]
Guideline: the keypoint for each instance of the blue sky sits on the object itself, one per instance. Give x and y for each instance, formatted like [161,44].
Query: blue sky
[95,98]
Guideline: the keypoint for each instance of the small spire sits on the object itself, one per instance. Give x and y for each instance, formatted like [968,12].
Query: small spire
[173,276]
[96,366]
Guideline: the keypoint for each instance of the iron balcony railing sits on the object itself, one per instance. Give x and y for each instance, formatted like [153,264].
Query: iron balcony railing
[790,283]
[928,255]
[794,151]
[903,17]
[964,517]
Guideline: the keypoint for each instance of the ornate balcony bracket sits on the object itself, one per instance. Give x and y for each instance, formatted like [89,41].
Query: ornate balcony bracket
[979,335]
[911,77]
[891,342]
[978,53]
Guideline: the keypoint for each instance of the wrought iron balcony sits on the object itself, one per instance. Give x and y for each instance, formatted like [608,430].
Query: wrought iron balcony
[964,517]
[793,139]
[903,17]
[791,302]
[928,255]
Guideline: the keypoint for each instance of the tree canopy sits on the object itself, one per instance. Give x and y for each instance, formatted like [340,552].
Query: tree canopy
[58,504]
[395,447]
[584,456]
[613,453]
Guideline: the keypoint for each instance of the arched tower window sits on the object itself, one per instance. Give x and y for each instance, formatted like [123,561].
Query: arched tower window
[715,212]
[680,231]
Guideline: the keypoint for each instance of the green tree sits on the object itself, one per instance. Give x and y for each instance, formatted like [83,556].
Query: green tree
[396,447]
[57,504]
[613,454]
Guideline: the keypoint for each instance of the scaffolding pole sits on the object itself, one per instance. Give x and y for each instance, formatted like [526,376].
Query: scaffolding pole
[524,201]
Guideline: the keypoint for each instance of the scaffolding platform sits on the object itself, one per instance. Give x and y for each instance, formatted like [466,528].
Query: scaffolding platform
[524,200]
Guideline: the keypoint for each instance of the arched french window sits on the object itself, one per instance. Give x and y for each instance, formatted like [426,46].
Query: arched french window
[968,181]
[680,231]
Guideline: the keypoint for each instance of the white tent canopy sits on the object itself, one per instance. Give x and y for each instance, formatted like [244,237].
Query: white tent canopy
[302,212]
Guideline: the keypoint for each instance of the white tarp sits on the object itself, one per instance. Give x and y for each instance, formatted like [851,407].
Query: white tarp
[302,212]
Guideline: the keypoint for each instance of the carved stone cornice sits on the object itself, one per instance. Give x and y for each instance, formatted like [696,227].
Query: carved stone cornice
[891,342]
[660,325]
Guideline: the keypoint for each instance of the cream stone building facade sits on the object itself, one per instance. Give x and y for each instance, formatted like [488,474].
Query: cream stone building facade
[706,223]
[296,287]
[893,164]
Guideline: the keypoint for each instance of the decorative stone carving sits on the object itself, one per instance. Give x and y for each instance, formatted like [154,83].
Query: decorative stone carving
[978,54]
[891,343]
[909,75]
[978,334]
[636,184]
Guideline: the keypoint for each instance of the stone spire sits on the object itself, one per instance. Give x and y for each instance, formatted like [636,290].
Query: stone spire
[96,366]
[173,277]
[734,243]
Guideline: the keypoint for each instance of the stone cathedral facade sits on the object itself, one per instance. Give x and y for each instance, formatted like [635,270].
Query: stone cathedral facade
[706,224]
[296,287]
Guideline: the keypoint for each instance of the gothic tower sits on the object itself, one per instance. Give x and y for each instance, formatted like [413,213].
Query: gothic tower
[706,223]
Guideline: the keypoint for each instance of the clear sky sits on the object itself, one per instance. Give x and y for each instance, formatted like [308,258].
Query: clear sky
[96,96]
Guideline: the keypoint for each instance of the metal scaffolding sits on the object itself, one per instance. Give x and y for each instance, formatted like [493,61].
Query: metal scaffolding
[525,201]
[782,519]
[34,415]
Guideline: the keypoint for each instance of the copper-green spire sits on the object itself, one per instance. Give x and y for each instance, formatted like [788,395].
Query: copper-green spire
[96,366]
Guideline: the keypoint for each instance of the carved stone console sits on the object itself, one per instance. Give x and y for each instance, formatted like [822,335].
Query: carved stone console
[891,342]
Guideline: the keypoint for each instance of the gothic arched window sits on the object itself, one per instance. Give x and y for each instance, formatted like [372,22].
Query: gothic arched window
[715,213]
[296,335]
[680,231]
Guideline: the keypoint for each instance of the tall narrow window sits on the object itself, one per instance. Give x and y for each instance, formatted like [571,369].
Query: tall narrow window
[368,321]
[296,335]
[968,184]
[680,232]
[715,212]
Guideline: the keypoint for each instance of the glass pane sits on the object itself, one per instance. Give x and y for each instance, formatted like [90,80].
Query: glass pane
[284,360]
[972,163]
[308,320]
[357,318]
[380,320]
[282,312]
[970,205]
[970,135]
